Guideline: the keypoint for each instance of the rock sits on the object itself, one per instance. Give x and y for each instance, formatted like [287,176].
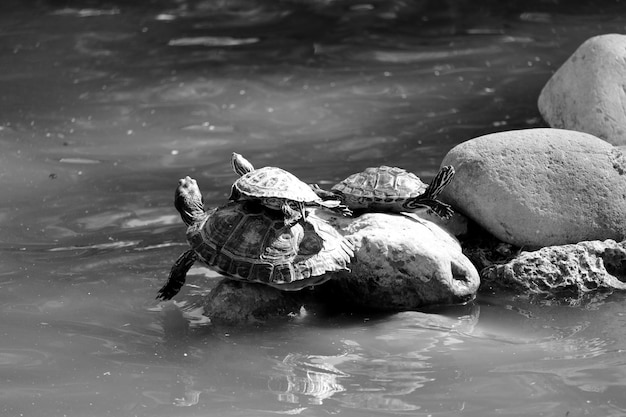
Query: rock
[568,270]
[402,262]
[588,92]
[233,302]
[540,187]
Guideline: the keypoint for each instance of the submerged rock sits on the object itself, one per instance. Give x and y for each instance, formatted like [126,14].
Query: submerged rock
[588,92]
[540,187]
[402,262]
[565,271]
[236,302]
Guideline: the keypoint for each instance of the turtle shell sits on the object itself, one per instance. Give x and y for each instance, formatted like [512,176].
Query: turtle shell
[381,188]
[246,241]
[273,182]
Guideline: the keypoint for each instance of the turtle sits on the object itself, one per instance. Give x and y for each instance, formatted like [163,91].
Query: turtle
[246,241]
[391,189]
[278,189]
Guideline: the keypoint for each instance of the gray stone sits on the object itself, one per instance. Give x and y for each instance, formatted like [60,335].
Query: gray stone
[402,262]
[563,271]
[233,303]
[588,92]
[540,187]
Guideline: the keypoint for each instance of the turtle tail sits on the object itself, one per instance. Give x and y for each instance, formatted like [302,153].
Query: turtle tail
[177,276]
[443,178]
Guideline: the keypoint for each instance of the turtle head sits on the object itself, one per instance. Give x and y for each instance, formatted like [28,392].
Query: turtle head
[240,165]
[188,201]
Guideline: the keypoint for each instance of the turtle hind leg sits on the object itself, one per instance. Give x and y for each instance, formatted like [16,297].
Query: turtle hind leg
[322,193]
[440,209]
[177,276]
[336,206]
[443,178]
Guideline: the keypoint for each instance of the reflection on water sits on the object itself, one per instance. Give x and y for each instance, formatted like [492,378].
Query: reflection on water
[106,104]
[312,376]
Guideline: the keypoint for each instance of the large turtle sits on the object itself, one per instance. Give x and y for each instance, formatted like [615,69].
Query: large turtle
[391,189]
[249,242]
[277,189]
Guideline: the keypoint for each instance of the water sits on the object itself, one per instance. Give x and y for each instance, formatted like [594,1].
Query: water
[105,104]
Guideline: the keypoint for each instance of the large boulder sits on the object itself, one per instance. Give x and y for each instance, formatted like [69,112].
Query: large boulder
[402,262]
[588,92]
[540,187]
[563,271]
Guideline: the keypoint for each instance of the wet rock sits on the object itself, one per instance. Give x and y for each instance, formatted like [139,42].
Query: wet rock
[588,91]
[402,262]
[235,302]
[540,187]
[484,250]
[563,271]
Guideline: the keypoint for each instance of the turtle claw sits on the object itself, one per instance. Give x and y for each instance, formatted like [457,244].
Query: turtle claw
[337,207]
[442,210]
[433,206]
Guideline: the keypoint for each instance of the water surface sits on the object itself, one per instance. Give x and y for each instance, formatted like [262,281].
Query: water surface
[105,104]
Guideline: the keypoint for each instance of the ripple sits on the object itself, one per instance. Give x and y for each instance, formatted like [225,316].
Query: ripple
[79,161]
[100,246]
[158,220]
[22,357]
[312,376]
[411,57]
[68,11]
[212,41]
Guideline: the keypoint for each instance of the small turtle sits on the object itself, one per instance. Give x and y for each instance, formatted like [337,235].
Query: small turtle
[391,189]
[277,189]
[246,241]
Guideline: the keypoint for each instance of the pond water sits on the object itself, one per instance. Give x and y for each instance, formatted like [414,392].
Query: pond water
[105,104]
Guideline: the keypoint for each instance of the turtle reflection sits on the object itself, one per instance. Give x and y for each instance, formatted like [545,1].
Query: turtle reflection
[314,377]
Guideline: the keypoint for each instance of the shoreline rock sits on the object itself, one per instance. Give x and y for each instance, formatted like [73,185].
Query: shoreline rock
[402,262]
[587,93]
[540,187]
[566,271]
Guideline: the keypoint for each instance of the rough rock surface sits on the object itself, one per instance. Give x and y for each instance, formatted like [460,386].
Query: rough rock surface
[568,270]
[235,302]
[540,187]
[402,262]
[588,92]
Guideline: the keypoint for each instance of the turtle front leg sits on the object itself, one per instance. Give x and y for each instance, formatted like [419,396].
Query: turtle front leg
[293,213]
[443,178]
[177,276]
[434,206]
